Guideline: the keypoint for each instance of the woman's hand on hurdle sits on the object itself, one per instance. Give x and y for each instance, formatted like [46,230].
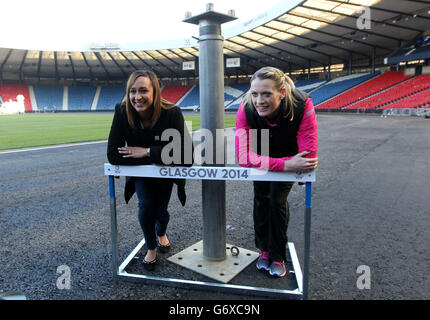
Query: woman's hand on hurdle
[133,152]
[301,164]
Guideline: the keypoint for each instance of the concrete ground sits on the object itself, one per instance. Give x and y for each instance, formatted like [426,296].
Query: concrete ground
[370,220]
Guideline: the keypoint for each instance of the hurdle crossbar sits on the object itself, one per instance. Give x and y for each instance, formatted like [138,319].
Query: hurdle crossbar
[212,173]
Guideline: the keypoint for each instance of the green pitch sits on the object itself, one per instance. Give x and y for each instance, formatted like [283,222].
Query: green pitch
[41,129]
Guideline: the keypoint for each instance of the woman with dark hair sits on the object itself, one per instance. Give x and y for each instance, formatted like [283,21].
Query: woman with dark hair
[287,116]
[136,138]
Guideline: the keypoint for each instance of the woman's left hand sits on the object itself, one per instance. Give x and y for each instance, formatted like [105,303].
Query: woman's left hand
[133,152]
[300,164]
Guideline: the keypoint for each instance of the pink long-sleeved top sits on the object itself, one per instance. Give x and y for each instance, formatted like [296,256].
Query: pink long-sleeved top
[307,140]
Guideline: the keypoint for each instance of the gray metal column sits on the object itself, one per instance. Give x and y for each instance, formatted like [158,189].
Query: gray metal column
[211,80]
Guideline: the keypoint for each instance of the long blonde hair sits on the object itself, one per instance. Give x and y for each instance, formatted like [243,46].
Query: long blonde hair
[281,81]
[158,103]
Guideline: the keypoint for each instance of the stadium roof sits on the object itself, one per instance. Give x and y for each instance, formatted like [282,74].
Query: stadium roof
[294,35]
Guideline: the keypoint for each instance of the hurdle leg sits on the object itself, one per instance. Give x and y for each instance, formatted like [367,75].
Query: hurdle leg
[114,228]
[307,242]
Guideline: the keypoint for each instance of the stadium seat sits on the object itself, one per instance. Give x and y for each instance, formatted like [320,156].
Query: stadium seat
[337,86]
[419,99]
[109,97]
[392,94]
[364,90]
[80,98]
[309,85]
[237,91]
[11,91]
[174,93]
[49,97]
[191,100]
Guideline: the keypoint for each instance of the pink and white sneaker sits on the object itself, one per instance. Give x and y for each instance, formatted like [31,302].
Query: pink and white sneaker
[263,261]
[278,269]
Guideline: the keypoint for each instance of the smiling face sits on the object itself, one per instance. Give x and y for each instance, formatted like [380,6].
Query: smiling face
[266,98]
[141,94]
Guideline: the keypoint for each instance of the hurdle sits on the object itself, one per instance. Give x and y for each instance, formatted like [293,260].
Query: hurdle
[212,173]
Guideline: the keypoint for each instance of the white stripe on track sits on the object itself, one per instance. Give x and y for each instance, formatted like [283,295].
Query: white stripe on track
[51,147]
[60,146]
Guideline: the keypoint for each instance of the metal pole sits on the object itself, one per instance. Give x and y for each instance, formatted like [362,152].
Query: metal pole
[211,80]
[113,224]
[307,244]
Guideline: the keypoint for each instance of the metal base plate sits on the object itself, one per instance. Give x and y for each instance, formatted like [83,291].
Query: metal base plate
[223,271]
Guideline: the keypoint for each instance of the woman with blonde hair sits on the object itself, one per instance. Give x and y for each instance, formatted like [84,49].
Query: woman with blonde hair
[136,139]
[288,116]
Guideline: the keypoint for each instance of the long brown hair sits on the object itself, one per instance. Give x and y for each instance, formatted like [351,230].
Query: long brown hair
[281,81]
[158,102]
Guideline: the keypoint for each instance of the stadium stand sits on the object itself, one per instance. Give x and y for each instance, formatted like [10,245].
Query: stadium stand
[305,85]
[228,98]
[191,100]
[364,90]
[80,98]
[11,91]
[109,97]
[309,85]
[410,54]
[338,85]
[174,93]
[233,93]
[234,106]
[420,99]
[49,97]
[394,93]
[389,90]
[237,91]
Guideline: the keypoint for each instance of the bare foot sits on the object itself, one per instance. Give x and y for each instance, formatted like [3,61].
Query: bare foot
[163,240]
[151,255]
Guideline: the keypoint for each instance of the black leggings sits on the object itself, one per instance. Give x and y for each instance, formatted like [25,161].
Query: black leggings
[154,195]
[271,215]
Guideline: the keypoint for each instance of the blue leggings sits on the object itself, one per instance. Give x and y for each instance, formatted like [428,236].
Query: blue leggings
[153,195]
